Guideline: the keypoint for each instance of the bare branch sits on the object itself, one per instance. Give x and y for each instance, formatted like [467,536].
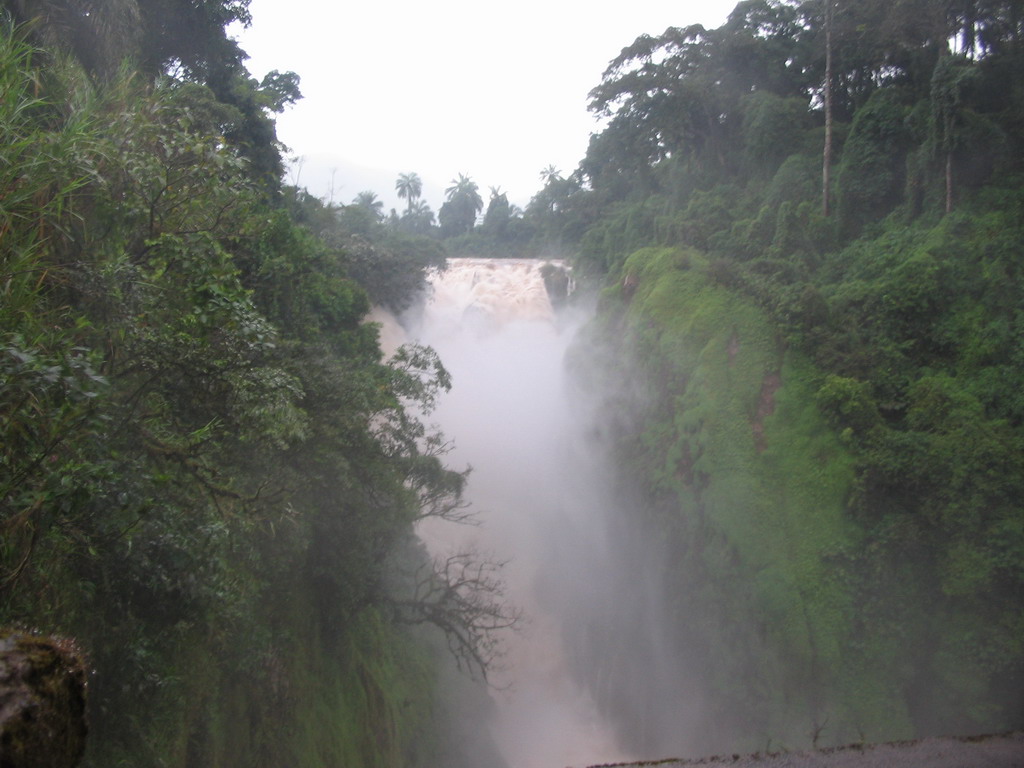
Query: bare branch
[462,595]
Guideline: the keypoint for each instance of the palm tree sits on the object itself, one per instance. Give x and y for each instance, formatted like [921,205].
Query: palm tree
[409,186]
[420,218]
[368,200]
[498,213]
[422,211]
[550,174]
[459,213]
[465,189]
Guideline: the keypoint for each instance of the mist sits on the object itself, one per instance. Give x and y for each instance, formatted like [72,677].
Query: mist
[539,490]
[599,670]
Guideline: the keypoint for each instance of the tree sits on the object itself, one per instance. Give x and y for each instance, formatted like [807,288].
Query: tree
[278,90]
[196,425]
[873,169]
[498,214]
[461,594]
[550,174]
[409,186]
[160,35]
[952,77]
[681,94]
[459,212]
[99,33]
[420,217]
[826,156]
[368,200]
[192,36]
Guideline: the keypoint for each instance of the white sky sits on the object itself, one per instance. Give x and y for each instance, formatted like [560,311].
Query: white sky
[494,90]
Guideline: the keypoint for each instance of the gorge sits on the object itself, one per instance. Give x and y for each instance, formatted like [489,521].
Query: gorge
[672,507]
[754,487]
[537,487]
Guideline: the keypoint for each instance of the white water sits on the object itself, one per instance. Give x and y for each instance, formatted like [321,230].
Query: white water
[536,487]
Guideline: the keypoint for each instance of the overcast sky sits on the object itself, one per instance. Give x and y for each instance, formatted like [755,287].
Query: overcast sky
[494,90]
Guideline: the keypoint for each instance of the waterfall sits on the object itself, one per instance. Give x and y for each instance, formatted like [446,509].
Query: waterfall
[535,486]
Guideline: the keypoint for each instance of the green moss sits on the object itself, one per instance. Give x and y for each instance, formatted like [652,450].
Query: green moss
[376,705]
[364,698]
[753,469]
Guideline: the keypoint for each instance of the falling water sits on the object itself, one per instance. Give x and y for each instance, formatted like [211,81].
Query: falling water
[536,487]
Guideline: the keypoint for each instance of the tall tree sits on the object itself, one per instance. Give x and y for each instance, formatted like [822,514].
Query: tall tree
[192,35]
[826,158]
[409,186]
[368,200]
[419,219]
[458,214]
[99,33]
[681,94]
[550,173]
[952,76]
[498,213]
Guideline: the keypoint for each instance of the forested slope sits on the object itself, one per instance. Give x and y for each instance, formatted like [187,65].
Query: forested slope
[820,429]
[207,469]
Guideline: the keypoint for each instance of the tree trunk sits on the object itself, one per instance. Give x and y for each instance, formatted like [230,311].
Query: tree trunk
[826,161]
[949,182]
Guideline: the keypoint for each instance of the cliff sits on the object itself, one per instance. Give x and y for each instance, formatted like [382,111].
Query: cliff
[782,620]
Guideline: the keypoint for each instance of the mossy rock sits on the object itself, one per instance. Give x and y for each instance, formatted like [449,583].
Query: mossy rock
[42,702]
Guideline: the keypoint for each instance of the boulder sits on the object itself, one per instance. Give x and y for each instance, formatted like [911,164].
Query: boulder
[42,702]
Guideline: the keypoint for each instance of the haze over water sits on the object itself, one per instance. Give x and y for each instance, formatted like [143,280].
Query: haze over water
[536,488]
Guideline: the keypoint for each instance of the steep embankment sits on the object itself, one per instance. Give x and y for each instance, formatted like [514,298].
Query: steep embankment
[744,488]
[209,475]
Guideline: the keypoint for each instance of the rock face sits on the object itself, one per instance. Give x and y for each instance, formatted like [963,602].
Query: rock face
[998,751]
[42,702]
[558,283]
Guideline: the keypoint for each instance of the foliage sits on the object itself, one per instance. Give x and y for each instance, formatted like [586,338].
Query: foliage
[769,123]
[206,465]
[871,173]
[463,202]
[694,110]
[842,534]
[741,495]
[409,186]
[389,263]
[887,336]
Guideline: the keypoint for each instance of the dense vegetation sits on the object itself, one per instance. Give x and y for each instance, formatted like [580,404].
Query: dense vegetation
[808,225]
[828,444]
[208,473]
